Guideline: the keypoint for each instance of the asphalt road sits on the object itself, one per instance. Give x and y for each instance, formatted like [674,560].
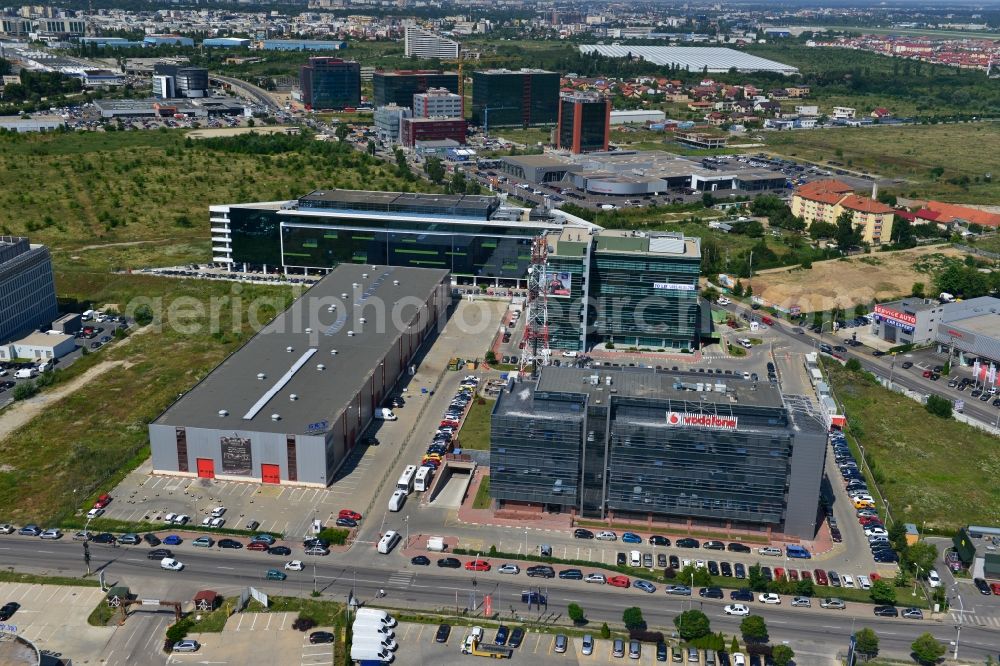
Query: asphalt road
[881,366]
[433,588]
[258,95]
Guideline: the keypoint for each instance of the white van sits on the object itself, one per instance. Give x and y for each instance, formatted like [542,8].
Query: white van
[370,626]
[375,641]
[385,618]
[24,373]
[388,541]
[371,653]
[384,414]
[397,500]
[634,558]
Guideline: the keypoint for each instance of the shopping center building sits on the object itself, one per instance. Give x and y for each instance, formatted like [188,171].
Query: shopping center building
[656,446]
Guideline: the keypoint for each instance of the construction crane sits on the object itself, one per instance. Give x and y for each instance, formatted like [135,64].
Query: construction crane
[536,321]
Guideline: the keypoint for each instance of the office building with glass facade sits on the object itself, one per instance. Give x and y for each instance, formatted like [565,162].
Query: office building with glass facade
[27,288]
[692,450]
[525,97]
[584,122]
[400,86]
[330,83]
[625,289]
[475,237]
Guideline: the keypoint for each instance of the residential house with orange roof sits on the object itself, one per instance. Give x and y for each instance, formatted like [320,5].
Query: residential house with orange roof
[827,200]
[955,214]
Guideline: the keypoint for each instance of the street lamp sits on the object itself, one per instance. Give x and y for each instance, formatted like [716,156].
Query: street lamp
[961,619]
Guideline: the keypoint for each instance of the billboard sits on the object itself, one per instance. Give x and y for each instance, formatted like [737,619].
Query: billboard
[237,456]
[559,285]
[713,421]
[889,313]
[674,286]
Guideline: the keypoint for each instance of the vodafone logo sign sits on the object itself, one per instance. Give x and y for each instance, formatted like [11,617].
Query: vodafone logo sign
[713,421]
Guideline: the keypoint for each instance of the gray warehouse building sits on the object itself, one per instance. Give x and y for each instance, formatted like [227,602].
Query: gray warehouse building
[290,405]
[27,288]
[686,449]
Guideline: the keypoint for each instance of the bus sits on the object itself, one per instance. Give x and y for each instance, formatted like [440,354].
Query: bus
[397,500]
[405,482]
[388,542]
[422,481]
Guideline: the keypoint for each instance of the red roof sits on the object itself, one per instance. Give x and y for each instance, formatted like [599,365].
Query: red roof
[824,191]
[865,205]
[951,212]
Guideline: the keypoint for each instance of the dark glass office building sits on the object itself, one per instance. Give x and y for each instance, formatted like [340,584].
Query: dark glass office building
[330,83]
[584,122]
[641,290]
[689,449]
[400,86]
[468,235]
[503,97]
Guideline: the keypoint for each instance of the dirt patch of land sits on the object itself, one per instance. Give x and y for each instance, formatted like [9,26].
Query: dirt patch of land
[851,281]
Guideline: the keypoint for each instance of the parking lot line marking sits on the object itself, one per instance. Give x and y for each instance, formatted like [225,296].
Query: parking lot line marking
[229,568]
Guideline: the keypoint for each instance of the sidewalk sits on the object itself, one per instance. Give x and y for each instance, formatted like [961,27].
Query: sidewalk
[471,516]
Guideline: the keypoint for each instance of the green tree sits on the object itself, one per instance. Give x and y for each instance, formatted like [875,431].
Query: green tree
[692,624]
[143,315]
[735,646]
[853,364]
[805,588]
[748,292]
[754,629]
[575,613]
[927,649]
[458,183]
[867,643]
[848,235]
[738,289]
[823,230]
[755,578]
[490,357]
[632,617]
[707,200]
[782,655]
[922,555]
[341,132]
[917,289]
[938,406]
[435,169]
[605,631]
[883,593]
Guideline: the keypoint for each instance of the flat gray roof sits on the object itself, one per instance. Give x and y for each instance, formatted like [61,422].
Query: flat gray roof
[311,331]
[984,324]
[659,385]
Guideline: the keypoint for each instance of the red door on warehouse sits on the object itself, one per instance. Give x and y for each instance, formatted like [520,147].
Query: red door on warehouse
[270,473]
[206,468]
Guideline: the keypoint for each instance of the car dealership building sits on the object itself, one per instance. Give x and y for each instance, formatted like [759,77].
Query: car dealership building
[291,404]
[688,449]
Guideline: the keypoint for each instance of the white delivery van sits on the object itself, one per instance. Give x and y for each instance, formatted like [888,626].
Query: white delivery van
[369,640]
[388,541]
[372,627]
[397,500]
[386,619]
[24,373]
[371,653]
[384,414]
[435,544]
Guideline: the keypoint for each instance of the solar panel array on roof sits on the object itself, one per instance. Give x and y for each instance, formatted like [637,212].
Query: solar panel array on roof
[695,58]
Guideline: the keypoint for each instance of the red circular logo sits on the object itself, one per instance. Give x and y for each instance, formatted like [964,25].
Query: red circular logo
[673,418]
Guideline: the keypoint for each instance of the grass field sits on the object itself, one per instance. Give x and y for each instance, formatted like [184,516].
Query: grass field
[524,137]
[990,243]
[109,201]
[482,499]
[965,152]
[939,471]
[475,432]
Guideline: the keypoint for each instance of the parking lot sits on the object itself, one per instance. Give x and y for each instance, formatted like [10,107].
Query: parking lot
[54,617]
[417,647]
[257,638]
[102,334]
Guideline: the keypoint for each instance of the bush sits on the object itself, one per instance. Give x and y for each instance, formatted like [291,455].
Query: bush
[692,624]
[25,390]
[754,629]
[883,593]
[605,631]
[632,617]
[938,406]
[575,613]
[853,364]
[334,536]
[143,315]
[669,573]
[178,630]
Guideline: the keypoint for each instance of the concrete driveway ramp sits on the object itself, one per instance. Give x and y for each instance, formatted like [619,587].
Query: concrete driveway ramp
[452,484]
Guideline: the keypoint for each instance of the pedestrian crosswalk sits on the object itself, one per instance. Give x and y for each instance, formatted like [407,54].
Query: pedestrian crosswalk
[974,619]
[401,578]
